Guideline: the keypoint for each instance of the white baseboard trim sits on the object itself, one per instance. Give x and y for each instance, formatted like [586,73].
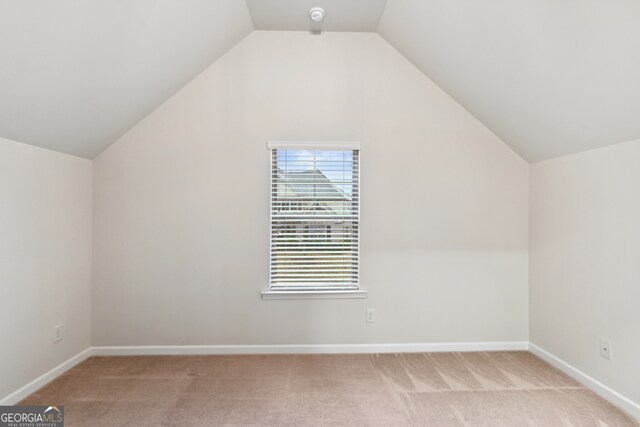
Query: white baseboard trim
[45,378]
[605,392]
[309,348]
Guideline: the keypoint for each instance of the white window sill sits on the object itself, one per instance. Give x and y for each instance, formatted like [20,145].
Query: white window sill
[314,294]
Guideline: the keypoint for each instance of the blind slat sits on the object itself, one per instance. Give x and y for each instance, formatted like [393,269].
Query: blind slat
[315,212]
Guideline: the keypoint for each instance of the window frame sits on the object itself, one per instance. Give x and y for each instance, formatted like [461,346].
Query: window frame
[358,293]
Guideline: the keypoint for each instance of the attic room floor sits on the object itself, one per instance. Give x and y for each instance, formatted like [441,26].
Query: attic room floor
[432,389]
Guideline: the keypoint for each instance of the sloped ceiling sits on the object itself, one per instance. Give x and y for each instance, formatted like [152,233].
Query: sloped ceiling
[549,77]
[76,74]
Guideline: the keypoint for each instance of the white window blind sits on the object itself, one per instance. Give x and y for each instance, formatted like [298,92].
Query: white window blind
[315,213]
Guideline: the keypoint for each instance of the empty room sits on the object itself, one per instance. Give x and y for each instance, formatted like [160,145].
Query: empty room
[320,213]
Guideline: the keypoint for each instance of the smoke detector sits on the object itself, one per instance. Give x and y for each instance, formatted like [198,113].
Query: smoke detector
[316,14]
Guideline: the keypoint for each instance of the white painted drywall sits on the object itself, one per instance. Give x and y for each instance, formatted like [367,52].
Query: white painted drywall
[45,260]
[181,205]
[76,75]
[293,15]
[584,262]
[550,77]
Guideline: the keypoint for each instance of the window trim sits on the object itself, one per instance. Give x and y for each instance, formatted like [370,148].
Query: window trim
[346,294]
[359,293]
[313,145]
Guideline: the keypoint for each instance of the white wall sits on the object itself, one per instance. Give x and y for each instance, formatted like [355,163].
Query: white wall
[45,260]
[585,262]
[181,205]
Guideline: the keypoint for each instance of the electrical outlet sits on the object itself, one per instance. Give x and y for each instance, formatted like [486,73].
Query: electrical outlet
[371,315]
[58,333]
[605,349]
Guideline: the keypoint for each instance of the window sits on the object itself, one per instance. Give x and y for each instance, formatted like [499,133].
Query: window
[315,215]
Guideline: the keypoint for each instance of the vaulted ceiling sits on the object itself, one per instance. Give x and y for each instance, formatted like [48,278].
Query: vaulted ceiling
[77,74]
[549,77]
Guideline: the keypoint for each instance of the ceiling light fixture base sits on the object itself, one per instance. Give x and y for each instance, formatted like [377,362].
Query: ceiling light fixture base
[316,14]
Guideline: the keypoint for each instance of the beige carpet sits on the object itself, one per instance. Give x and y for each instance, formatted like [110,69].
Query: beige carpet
[434,389]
